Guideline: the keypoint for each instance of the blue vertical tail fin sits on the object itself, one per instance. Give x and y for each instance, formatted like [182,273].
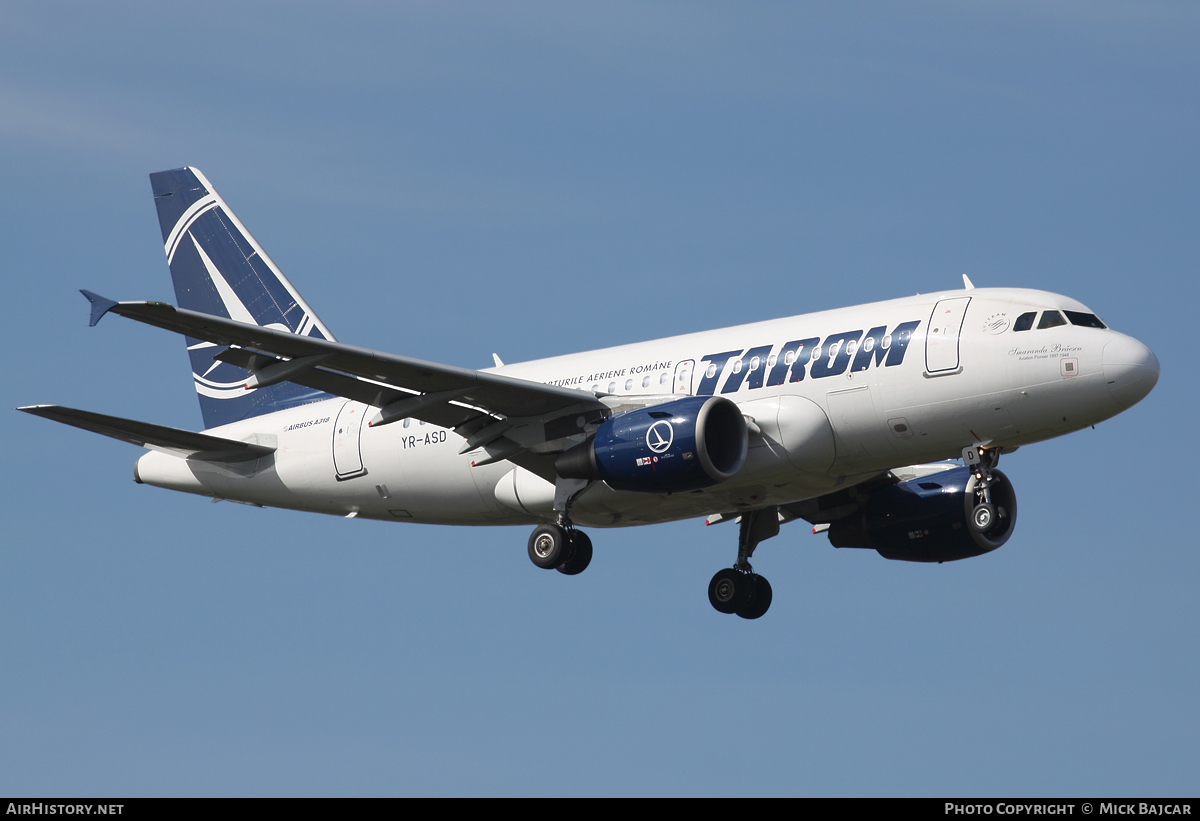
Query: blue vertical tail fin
[218,268]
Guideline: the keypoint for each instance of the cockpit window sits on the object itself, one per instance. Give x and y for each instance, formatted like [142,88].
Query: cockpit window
[1051,319]
[1024,321]
[1084,320]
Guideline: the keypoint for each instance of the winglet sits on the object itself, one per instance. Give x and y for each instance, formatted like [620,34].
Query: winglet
[100,306]
[967,283]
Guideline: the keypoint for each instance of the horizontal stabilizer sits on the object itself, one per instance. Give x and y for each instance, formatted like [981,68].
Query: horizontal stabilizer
[100,306]
[156,437]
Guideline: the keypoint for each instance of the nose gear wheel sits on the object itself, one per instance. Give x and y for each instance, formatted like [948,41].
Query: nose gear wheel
[983,516]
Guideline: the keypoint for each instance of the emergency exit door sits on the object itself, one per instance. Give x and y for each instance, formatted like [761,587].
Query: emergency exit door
[683,377]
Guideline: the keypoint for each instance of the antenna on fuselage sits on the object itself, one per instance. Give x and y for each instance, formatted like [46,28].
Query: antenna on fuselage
[970,286]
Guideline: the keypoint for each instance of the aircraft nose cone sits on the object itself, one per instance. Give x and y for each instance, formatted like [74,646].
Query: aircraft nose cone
[1130,369]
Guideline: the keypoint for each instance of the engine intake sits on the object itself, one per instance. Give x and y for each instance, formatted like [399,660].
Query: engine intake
[927,519]
[681,445]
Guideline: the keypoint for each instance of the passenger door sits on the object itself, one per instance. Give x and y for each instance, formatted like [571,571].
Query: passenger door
[941,337]
[347,451]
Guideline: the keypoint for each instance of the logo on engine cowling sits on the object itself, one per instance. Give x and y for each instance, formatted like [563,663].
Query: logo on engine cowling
[660,436]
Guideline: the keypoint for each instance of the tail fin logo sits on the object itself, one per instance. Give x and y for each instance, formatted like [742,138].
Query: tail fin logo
[218,268]
[229,298]
[185,222]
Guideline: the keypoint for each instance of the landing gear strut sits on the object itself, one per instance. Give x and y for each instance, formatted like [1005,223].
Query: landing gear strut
[982,460]
[739,589]
[559,545]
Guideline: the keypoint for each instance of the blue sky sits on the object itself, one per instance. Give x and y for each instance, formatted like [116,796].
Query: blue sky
[447,180]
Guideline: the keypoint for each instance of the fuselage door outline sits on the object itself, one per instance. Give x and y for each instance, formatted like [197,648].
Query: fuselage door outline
[347,446]
[942,336]
[683,377]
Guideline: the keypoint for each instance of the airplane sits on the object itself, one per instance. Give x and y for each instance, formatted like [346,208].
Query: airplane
[854,420]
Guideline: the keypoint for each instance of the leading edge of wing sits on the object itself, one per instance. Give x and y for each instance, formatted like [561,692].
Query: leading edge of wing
[184,443]
[503,394]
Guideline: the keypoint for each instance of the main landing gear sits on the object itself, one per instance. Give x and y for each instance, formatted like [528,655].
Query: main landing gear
[739,589]
[560,547]
[982,460]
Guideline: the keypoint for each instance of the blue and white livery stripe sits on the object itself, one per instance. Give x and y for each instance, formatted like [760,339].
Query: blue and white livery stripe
[194,211]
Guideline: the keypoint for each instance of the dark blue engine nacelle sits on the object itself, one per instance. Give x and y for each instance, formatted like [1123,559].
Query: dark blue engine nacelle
[681,445]
[927,519]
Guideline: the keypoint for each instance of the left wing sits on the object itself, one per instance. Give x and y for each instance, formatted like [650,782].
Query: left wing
[474,403]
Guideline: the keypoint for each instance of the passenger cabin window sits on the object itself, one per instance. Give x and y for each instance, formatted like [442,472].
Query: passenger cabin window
[1051,319]
[1084,320]
[1025,321]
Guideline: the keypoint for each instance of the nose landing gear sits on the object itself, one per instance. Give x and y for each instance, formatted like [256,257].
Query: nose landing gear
[982,460]
[739,589]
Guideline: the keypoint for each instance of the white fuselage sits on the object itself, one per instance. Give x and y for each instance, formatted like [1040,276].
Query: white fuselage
[966,377]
